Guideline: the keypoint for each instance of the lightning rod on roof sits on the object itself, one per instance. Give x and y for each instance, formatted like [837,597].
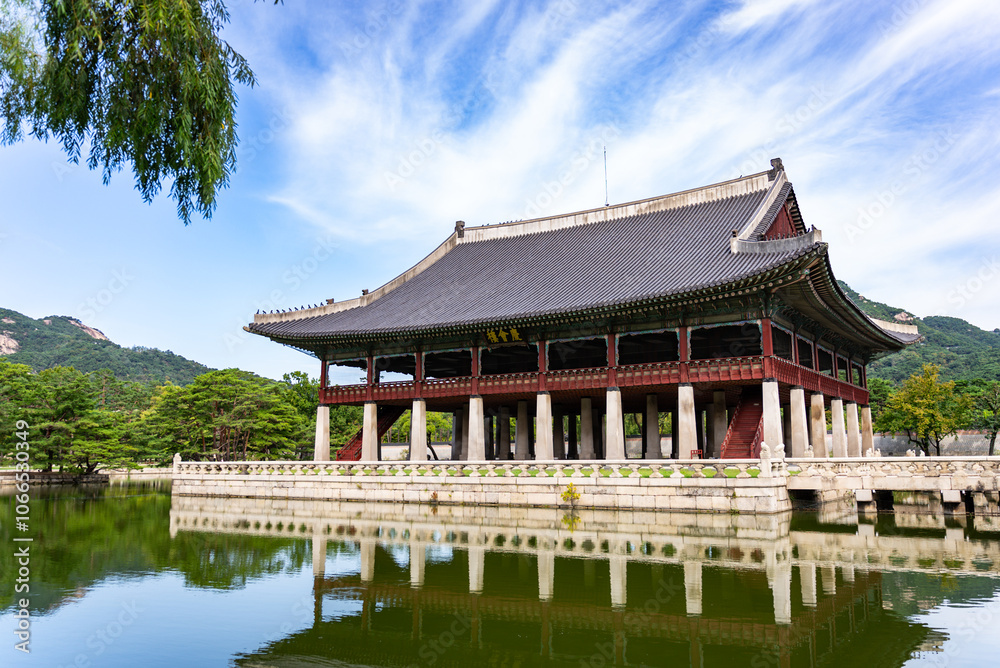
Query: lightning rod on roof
[605,175]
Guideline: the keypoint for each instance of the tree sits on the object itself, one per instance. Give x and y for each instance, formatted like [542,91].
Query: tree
[926,410]
[146,82]
[879,391]
[986,413]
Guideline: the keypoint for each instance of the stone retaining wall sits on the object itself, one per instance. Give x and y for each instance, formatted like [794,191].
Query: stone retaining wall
[718,494]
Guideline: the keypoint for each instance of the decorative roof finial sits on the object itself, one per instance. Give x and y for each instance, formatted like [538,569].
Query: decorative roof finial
[776,167]
[460,228]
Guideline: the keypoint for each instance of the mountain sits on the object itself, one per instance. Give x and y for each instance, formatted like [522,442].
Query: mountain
[962,350]
[60,340]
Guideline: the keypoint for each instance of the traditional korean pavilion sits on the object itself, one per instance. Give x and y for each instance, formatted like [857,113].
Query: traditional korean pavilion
[716,305]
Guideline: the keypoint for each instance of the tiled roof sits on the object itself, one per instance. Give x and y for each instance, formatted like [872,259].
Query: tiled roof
[611,256]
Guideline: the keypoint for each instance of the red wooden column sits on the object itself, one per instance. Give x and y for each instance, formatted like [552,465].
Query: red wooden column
[683,353]
[322,375]
[369,394]
[612,362]
[766,342]
[543,366]
[418,374]
[475,370]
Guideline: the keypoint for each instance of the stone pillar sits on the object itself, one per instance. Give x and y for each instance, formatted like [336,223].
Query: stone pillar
[546,575]
[458,422]
[798,438]
[828,574]
[319,556]
[558,435]
[853,431]
[477,564]
[369,433]
[807,574]
[466,422]
[699,429]
[651,422]
[477,436]
[491,452]
[367,559]
[675,445]
[600,433]
[720,421]
[786,426]
[572,449]
[321,449]
[503,447]
[867,433]
[587,450]
[817,425]
[418,431]
[418,554]
[781,590]
[692,587]
[839,433]
[685,436]
[617,564]
[543,429]
[521,429]
[772,413]
[615,443]
[707,452]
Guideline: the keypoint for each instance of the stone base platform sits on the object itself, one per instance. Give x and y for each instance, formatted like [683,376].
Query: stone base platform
[740,487]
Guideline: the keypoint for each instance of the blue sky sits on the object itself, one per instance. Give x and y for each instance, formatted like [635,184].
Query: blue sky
[376,125]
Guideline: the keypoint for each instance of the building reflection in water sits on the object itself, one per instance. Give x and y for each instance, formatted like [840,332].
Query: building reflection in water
[526,587]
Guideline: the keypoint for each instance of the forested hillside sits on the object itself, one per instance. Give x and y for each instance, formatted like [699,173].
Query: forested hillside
[65,341]
[959,348]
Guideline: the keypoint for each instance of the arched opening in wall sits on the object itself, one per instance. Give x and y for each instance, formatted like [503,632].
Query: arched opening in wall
[805,352]
[448,364]
[394,367]
[781,342]
[578,354]
[648,348]
[509,359]
[726,341]
[825,359]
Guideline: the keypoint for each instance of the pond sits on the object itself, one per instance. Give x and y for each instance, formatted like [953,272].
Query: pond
[129,576]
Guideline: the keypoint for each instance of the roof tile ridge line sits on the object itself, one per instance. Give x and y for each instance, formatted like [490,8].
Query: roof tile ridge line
[363,300]
[894,326]
[765,206]
[710,193]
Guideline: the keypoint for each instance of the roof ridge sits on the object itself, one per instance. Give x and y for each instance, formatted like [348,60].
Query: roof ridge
[714,192]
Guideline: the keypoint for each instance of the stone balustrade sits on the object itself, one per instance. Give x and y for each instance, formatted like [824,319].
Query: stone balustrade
[930,474]
[746,485]
[694,468]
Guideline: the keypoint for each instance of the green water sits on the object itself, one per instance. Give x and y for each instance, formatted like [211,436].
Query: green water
[128,576]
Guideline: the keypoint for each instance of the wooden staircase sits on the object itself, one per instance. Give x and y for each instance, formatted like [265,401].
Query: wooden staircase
[745,429]
[387,416]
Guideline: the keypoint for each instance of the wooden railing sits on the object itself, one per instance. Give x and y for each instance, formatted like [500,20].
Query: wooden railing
[793,374]
[723,369]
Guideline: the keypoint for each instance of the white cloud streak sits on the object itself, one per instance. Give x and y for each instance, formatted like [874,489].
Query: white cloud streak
[438,112]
